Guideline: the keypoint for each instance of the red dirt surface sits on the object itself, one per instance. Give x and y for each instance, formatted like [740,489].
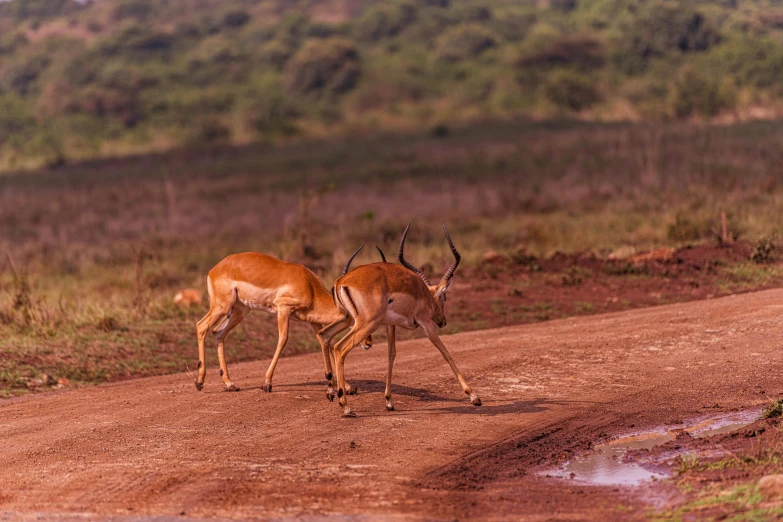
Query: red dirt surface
[156,447]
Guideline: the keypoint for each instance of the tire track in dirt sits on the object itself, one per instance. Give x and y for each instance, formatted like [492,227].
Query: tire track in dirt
[157,448]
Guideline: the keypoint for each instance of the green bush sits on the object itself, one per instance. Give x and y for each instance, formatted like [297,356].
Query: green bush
[235,18]
[328,67]
[664,27]
[571,90]
[21,77]
[578,51]
[464,42]
[696,93]
[139,10]
[685,229]
[512,27]
[385,20]
[15,119]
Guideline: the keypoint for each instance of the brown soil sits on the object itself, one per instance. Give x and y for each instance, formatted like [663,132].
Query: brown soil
[156,447]
[524,289]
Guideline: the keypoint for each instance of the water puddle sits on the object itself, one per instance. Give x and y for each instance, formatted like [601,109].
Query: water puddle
[606,467]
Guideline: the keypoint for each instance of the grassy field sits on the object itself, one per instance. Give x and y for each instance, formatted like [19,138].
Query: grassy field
[92,254]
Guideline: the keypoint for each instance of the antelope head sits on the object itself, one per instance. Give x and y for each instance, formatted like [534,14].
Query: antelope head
[438,291]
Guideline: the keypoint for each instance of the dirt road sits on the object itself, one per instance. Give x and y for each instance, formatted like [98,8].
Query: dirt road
[157,449]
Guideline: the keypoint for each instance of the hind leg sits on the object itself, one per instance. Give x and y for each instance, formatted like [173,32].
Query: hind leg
[237,313]
[353,338]
[217,312]
[324,336]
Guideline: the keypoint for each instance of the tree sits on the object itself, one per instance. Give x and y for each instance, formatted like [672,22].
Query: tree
[321,67]
[570,90]
[464,42]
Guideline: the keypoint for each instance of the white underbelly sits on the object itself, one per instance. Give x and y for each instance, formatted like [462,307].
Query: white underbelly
[264,307]
[393,318]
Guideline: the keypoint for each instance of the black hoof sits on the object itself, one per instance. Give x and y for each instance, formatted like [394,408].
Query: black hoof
[199,386]
[267,388]
[330,396]
[232,388]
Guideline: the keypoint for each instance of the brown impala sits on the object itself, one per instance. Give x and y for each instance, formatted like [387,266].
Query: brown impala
[248,281]
[392,295]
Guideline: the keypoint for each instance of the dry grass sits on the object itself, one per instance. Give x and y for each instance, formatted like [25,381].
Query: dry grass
[100,249]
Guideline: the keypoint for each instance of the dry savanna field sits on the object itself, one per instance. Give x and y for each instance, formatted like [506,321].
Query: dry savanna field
[553,221]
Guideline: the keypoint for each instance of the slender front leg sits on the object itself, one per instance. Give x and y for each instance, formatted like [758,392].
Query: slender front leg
[202,327]
[391,335]
[283,318]
[237,313]
[432,334]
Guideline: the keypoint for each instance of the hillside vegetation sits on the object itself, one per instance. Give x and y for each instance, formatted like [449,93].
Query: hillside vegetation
[113,77]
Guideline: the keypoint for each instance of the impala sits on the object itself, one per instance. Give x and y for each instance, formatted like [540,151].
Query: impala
[251,281]
[391,295]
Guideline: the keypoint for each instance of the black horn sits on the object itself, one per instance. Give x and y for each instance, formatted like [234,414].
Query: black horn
[457,258]
[404,263]
[381,253]
[348,264]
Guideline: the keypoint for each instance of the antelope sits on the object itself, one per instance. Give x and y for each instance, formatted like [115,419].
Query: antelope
[251,281]
[391,295]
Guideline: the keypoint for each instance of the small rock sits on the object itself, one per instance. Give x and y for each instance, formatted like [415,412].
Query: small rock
[771,487]
[492,257]
[188,297]
[624,252]
[660,255]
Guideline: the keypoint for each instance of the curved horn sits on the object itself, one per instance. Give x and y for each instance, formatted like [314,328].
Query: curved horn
[457,258]
[348,264]
[381,252]
[404,263]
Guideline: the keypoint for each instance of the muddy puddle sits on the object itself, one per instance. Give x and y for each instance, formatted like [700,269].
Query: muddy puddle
[607,467]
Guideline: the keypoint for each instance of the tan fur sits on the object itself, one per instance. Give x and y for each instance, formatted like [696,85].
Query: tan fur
[252,281]
[391,295]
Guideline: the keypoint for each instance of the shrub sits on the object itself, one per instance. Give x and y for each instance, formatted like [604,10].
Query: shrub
[464,42]
[773,410]
[385,20]
[22,77]
[563,5]
[664,27]
[513,27]
[695,93]
[571,90]
[684,229]
[762,251]
[14,118]
[328,66]
[276,53]
[579,51]
[211,130]
[235,18]
[138,10]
